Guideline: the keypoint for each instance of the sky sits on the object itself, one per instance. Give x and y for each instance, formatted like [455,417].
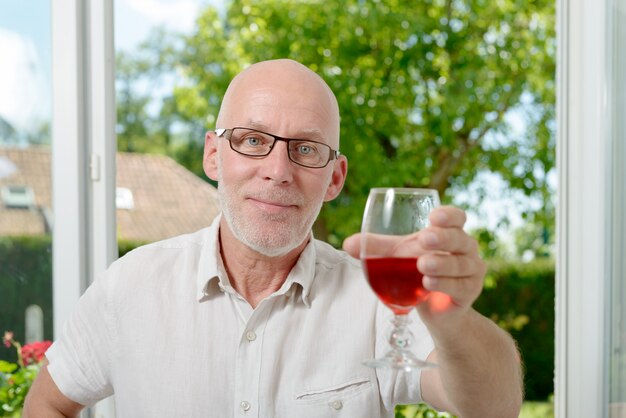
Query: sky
[135,18]
[25,58]
[24,63]
[25,48]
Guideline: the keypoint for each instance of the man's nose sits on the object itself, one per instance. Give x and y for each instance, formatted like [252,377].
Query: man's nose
[277,166]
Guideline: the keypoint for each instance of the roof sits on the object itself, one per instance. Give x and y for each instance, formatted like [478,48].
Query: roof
[167,199]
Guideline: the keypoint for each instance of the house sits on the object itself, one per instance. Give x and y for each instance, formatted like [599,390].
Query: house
[156,197]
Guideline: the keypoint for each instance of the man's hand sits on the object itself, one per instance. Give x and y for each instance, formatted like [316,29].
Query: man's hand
[479,372]
[449,260]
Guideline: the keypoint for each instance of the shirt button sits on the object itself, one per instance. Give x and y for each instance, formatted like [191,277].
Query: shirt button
[245,406]
[336,405]
[250,336]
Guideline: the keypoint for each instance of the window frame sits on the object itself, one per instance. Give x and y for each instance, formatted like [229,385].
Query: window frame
[84,146]
[83,178]
[584,117]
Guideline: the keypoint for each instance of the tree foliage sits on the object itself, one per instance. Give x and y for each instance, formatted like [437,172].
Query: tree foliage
[425,89]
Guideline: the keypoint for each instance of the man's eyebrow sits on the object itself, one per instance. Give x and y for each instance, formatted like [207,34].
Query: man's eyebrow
[305,133]
[311,133]
[254,124]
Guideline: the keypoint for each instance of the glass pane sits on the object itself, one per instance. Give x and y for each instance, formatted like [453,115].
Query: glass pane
[25,198]
[161,188]
[617,358]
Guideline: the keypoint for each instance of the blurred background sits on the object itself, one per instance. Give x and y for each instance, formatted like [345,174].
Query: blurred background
[453,95]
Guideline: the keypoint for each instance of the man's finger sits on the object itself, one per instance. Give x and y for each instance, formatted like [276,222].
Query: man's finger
[352,245]
[379,245]
[447,217]
[463,291]
[447,265]
[452,240]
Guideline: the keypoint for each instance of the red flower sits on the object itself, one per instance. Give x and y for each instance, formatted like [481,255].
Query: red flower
[34,352]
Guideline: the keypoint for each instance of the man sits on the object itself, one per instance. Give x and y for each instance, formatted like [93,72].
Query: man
[252,316]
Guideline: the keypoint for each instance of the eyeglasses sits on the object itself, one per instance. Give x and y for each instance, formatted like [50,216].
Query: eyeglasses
[253,143]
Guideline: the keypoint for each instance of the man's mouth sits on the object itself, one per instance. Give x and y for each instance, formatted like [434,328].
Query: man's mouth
[272,205]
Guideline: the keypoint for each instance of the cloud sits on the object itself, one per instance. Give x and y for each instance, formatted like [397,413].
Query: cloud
[25,100]
[179,15]
[136,18]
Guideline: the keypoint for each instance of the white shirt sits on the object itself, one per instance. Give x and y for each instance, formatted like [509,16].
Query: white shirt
[163,329]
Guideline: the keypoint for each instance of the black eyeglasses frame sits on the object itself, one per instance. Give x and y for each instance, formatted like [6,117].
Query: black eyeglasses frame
[226,133]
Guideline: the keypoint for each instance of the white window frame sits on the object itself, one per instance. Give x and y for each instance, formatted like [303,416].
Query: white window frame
[83,153]
[83,178]
[584,164]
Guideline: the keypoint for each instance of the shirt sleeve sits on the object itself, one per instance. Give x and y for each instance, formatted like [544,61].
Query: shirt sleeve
[80,360]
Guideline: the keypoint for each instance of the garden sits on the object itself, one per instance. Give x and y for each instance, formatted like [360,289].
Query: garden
[457,96]
[519,297]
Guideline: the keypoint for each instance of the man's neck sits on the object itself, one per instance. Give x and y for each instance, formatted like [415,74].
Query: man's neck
[253,275]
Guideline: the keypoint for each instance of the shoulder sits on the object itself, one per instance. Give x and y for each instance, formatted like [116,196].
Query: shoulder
[337,271]
[161,252]
[329,258]
[159,261]
[339,285]
[171,245]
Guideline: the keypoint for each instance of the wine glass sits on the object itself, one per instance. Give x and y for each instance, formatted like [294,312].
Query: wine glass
[391,216]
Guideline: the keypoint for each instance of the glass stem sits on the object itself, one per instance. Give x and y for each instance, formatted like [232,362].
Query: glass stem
[401,337]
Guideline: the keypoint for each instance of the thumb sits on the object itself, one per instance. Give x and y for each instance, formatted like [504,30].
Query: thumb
[352,245]
[383,245]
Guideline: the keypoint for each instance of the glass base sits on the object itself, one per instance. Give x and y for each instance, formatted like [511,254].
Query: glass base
[400,360]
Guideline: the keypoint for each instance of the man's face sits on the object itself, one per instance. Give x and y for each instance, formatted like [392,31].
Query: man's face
[270,203]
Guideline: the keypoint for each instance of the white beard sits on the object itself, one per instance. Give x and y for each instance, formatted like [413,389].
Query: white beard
[273,235]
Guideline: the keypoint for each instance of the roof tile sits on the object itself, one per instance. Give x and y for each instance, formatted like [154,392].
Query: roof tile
[168,199]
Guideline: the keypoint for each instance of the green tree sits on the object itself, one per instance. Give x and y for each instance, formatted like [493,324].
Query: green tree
[424,88]
[148,118]
[133,120]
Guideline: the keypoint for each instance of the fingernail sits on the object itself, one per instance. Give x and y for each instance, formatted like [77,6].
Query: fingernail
[430,283]
[439,217]
[430,264]
[431,239]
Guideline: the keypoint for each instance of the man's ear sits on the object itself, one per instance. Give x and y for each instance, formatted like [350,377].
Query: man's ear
[209,160]
[338,178]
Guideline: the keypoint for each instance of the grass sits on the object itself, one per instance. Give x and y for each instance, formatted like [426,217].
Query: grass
[537,410]
[529,410]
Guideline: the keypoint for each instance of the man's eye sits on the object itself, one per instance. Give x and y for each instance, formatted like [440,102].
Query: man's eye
[305,149]
[253,140]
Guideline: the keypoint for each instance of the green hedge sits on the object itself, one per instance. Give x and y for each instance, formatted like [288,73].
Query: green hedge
[518,296]
[124,246]
[25,279]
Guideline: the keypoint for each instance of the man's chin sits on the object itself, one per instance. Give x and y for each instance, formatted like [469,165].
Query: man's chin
[271,236]
[271,251]
[272,242]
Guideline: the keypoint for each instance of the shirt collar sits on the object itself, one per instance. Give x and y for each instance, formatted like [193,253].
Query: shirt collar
[212,279]
[207,281]
[301,275]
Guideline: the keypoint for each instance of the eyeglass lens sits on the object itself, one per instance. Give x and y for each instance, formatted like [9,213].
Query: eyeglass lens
[254,143]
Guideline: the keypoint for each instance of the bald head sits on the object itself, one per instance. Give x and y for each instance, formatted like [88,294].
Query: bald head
[282,96]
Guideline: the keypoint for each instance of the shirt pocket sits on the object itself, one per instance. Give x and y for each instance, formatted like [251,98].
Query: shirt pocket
[353,398]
